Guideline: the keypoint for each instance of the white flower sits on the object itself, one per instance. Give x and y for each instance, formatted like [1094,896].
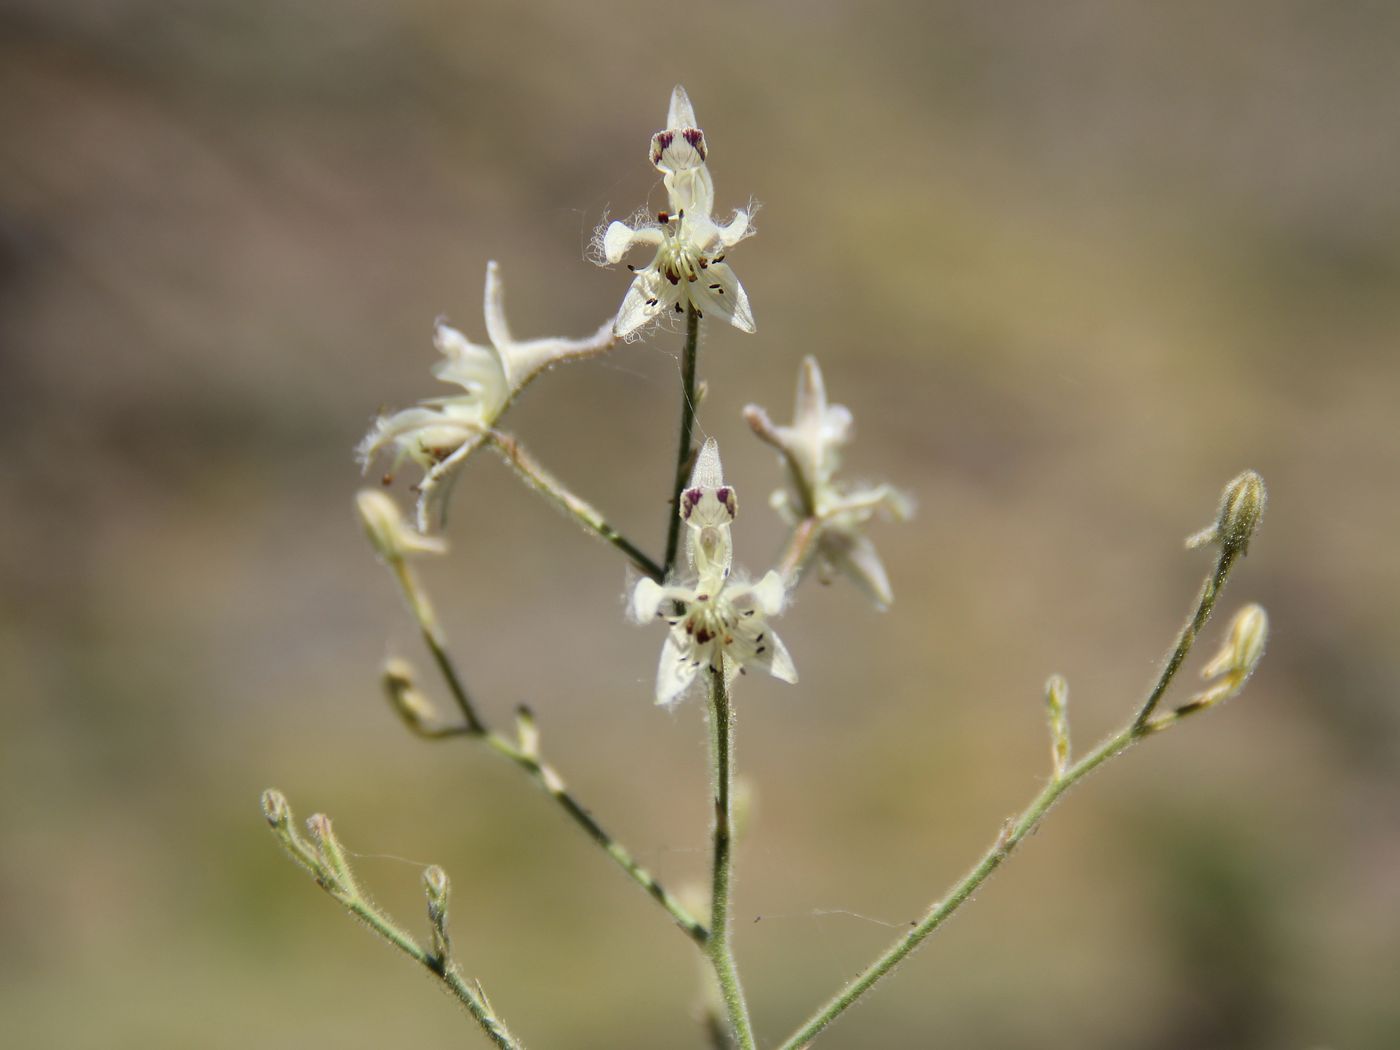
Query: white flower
[688,267]
[810,448]
[717,621]
[439,433]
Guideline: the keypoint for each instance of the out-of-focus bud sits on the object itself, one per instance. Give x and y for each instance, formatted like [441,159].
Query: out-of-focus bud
[437,888]
[276,808]
[393,538]
[1057,708]
[527,732]
[1240,654]
[1241,507]
[413,708]
[1236,660]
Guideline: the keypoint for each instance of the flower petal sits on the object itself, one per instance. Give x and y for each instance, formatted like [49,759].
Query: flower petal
[680,114]
[853,554]
[494,307]
[719,293]
[647,597]
[649,295]
[680,663]
[619,239]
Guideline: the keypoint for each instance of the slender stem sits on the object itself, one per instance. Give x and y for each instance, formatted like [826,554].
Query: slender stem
[547,485]
[445,970]
[718,949]
[1210,591]
[475,726]
[549,779]
[685,451]
[1141,727]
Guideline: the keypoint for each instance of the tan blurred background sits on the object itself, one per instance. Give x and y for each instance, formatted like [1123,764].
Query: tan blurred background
[1072,265]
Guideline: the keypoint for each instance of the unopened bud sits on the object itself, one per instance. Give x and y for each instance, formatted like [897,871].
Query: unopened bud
[437,887]
[393,538]
[1241,507]
[527,732]
[337,868]
[276,808]
[1057,707]
[1240,654]
[412,707]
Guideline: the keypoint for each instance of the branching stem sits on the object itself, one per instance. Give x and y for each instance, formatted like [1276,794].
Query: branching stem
[1014,833]
[544,775]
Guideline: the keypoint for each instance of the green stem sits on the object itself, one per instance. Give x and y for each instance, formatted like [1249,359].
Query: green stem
[1210,591]
[542,774]
[685,452]
[1141,727]
[718,949]
[547,485]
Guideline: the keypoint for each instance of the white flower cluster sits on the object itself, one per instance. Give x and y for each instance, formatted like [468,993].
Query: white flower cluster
[688,268]
[717,621]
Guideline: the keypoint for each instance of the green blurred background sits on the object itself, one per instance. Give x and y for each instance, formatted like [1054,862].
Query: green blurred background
[1072,266]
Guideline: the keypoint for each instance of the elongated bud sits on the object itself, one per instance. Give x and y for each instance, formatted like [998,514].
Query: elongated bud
[437,887]
[1244,645]
[413,708]
[1057,708]
[318,826]
[1241,508]
[276,808]
[1231,667]
[393,538]
[527,732]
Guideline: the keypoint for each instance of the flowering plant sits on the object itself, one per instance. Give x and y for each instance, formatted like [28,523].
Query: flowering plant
[718,620]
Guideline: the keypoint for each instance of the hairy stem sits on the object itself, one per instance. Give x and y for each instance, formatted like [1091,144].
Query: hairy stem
[547,485]
[475,726]
[720,954]
[1015,832]
[685,452]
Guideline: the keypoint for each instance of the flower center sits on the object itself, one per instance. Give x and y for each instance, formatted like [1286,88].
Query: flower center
[710,617]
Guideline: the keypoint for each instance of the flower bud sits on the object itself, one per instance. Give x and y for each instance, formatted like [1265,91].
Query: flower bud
[276,808]
[437,887]
[337,868]
[1241,507]
[527,732]
[1057,704]
[392,538]
[1243,647]
[412,707]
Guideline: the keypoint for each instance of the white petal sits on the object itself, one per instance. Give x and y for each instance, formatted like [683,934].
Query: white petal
[779,661]
[810,404]
[494,307]
[708,472]
[649,295]
[619,239]
[854,555]
[680,114]
[677,670]
[647,597]
[771,593]
[737,229]
[523,361]
[692,191]
[718,293]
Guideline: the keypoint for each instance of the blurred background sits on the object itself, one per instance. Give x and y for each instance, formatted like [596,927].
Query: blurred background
[1072,266]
